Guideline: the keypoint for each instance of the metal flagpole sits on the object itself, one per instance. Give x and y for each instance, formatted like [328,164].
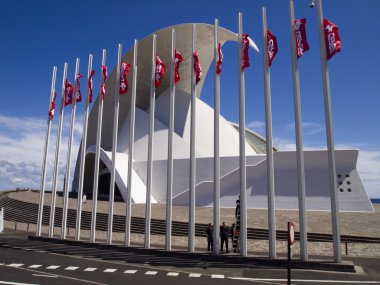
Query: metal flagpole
[46,149]
[216,221]
[330,138]
[68,164]
[192,150]
[150,148]
[114,145]
[299,144]
[243,174]
[131,147]
[268,125]
[97,157]
[57,148]
[169,205]
[83,156]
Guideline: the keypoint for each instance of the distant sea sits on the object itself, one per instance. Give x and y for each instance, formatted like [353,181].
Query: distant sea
[375,200]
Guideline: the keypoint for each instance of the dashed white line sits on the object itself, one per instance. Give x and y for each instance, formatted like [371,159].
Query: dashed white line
[219,276]
[110,270]
[16,264]
[172,274]
[91,269]
[151,273]
[194,275]
[52,267]
[130,271]
[72,268]
[35,266]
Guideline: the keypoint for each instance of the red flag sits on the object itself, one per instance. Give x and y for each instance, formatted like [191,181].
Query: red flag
[301,40]
[90,86]
[272,46]
[245,56]
[68,93]
[177,60]
[220,59]
[103,86]
[159,72]
[124,70]
[332,39]
[197,68]
[52,106]
[78,93]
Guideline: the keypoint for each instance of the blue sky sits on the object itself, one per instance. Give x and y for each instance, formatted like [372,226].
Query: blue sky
[36,35]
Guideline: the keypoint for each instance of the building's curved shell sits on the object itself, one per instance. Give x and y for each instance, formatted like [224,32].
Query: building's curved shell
[351,192]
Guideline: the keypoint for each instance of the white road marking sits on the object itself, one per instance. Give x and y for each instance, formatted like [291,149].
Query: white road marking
[130,271]
[307,281]
[172,274]
[151,273]
[219,276]
[52,267]
[35,266]
[90,269]
[43,275]
[72,268]
[15,283]
[194,275]
[16,264]
[110,270]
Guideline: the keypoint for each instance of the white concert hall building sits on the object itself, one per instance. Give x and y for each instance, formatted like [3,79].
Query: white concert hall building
[351,192]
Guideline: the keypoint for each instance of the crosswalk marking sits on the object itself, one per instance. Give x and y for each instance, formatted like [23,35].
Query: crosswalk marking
[110,270]
[217,276]
[90,269]
[194,275]
[172,274]
[151,273]
[16,264]
[35,266]
[52,267]
[72,268]
[130,271]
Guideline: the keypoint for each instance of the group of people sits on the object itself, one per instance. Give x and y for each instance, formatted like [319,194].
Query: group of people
[225,232]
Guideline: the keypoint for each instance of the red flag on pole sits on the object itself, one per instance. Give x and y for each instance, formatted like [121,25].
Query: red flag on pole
[220,60]
[52,106]
[301,40]
[159,72]
[177,60]
[78,93]
[332,39]
[124,70]
[90,86]
[272,46]
[103,86]
[245,56]
[197,68]
[68,93]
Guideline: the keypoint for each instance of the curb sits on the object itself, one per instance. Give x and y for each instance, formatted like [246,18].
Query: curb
[250,261]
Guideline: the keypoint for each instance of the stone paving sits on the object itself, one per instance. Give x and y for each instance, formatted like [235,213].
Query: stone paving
[351,223]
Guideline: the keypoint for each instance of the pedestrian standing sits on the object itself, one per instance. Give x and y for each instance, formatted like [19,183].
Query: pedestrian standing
[210,239]
[223,237]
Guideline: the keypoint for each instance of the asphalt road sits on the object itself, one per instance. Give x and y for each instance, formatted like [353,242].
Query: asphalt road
[23,261]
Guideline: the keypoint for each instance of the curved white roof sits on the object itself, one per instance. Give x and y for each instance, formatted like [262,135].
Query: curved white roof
[204,43]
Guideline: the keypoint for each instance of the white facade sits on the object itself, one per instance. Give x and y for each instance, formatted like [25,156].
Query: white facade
[351,192]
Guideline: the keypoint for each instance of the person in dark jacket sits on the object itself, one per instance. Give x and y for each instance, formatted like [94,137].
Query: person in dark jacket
[223,237]
[209,233]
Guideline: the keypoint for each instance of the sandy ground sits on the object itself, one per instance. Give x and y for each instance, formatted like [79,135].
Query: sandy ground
[351,223]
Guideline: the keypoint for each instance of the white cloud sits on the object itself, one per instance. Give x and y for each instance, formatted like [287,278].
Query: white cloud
[369,169]
[257,126]
[309,128]
[22,141]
